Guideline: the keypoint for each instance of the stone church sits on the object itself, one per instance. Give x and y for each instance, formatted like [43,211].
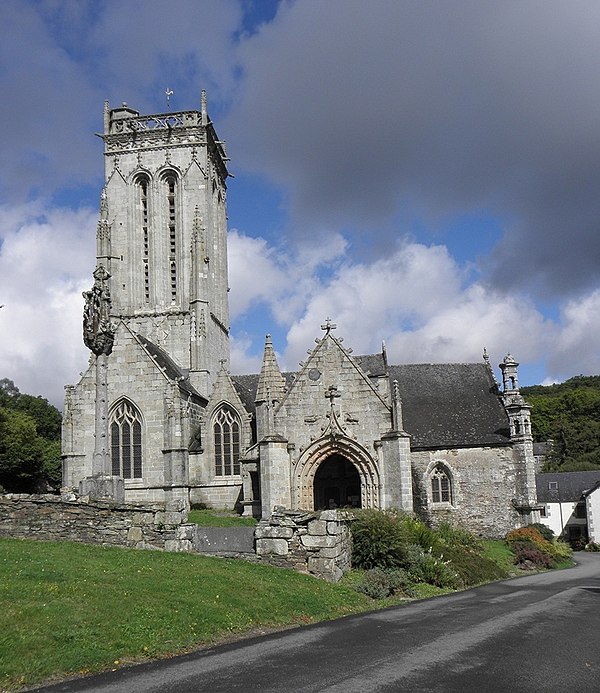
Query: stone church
[158,416]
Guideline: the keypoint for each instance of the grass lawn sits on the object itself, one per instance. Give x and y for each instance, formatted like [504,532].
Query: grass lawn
[216,518]
[72,608]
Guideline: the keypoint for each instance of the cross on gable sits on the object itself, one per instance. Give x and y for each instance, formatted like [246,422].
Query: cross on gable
[328,326]
[332,393]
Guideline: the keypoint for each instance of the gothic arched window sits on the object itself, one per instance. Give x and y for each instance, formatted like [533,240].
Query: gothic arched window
[126,441]
[441,485]
[226,433]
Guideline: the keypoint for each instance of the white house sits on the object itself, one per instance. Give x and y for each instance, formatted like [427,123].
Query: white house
[570,503]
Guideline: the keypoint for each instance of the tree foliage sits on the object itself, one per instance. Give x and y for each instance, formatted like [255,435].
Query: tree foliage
[29,441]
[569,415]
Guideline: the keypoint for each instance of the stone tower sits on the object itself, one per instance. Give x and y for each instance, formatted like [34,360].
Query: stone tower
[137,414]
[163,234]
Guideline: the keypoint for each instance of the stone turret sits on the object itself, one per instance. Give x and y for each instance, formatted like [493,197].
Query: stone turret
[269,391]
[519,417]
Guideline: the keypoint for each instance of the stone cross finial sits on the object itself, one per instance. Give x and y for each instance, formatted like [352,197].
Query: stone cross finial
[328,326]
[332,394]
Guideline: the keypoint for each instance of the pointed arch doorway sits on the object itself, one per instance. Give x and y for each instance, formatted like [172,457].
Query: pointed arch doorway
[336,484]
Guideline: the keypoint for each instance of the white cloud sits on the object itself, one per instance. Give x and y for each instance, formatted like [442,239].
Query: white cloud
[577,349]
[46,260]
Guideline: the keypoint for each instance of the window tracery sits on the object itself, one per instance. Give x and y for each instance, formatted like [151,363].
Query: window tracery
[441,485]
[126,441]
[226,433]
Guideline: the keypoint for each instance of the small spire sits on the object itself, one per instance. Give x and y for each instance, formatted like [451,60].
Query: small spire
[103,205]
[106,117]
[397,423]
[203,107]
[271,385]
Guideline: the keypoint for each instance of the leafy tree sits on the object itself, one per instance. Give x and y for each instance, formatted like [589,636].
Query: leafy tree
[569,415]
[29,441]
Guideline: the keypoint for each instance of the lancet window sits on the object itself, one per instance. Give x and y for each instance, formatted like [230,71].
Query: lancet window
[226,432]
[171,185]
[441,485]
[143,206]
[126,441]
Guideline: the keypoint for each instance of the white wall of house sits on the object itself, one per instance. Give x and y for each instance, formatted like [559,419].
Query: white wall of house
[593,513]
[562,516]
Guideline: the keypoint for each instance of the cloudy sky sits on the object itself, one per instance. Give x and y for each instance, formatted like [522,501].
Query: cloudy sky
[424,173]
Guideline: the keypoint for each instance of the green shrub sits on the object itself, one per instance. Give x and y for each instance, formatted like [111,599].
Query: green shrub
[526,553]
[592,546]
[525,540]
[544,530]
[379,583]
[457,536]
[434,571]
[472,567]
[379,539]
[561,551]
[420,533]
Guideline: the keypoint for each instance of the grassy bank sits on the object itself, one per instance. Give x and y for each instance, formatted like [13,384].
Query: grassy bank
[72,608]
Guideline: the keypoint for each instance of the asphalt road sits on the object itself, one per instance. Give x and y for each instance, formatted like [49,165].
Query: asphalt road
[539,633]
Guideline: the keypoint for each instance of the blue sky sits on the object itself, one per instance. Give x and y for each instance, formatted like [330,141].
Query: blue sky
[424,173]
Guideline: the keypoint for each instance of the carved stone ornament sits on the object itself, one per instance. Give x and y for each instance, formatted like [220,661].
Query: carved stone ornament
[98,331]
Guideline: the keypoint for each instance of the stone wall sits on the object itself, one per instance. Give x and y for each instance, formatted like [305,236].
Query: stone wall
[318,543]
[315,543]
[69,518]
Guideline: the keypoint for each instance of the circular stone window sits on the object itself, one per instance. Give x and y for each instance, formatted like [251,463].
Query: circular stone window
[314,374]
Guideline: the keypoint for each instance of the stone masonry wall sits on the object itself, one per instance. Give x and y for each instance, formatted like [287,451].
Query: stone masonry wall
[314,543]
[318,543]
[69,518]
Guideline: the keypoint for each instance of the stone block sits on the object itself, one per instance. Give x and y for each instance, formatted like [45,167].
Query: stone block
[329,515]
[336,528]
[173,518]
[179,545]
[320,566]
[270,532]
[279,547]
[318,542]
[333,552]
[188,532]
[318,527]
[135,534]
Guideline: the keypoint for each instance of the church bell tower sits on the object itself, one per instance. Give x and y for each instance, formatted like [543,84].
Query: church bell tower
[162,235]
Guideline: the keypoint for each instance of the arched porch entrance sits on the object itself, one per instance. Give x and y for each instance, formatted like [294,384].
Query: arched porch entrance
[332,468]
[336,484]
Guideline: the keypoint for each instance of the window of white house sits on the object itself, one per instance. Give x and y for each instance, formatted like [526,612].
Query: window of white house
[126,441]
[441,485]
[226,432]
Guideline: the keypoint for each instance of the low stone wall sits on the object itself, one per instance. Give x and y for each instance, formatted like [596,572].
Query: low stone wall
[68,517]
[318,543]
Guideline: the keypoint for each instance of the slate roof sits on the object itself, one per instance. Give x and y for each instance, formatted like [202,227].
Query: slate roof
[170,368]
[572,486]
[443,405]
[450,405]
